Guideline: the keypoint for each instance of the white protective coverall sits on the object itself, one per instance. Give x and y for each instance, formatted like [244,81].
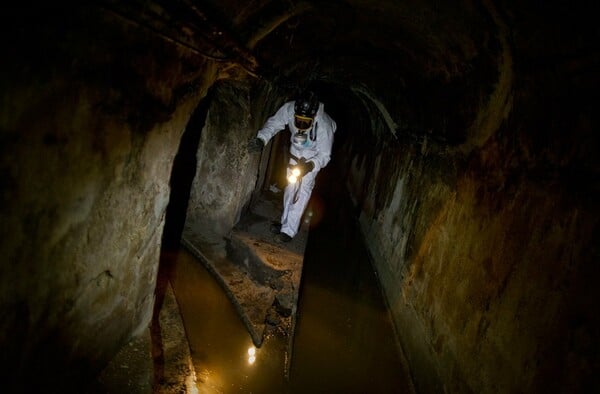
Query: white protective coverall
[317,149]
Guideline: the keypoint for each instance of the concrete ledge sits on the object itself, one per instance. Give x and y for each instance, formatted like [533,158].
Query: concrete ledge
[260,276]
[158,361]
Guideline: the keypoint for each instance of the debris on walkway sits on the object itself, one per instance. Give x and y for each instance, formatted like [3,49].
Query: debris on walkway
[260,276]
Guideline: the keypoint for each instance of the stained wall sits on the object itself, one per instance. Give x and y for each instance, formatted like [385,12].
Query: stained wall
[90,121]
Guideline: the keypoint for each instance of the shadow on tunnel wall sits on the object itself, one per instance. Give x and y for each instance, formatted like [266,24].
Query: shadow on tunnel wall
[182,175]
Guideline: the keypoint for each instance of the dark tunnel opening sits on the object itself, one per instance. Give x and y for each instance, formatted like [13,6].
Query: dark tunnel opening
[182,175]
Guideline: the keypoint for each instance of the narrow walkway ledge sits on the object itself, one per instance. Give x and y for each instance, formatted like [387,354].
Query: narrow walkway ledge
[261,277]
[156,362]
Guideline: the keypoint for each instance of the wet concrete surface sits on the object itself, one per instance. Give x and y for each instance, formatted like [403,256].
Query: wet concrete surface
[259,275]
[129,372]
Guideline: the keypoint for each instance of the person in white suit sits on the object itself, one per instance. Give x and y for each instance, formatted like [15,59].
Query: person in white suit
[312,131]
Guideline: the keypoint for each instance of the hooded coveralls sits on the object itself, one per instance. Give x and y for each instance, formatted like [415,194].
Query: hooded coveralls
[317,149]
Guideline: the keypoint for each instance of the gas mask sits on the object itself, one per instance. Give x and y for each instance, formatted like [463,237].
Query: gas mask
[300,137]
[303,122]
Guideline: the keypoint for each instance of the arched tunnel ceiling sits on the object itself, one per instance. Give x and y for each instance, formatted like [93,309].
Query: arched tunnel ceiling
[444,70]
[358,39]
[425,66]
[410,58]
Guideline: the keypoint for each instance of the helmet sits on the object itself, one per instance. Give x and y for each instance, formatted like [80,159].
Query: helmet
[305,109]
[307,104]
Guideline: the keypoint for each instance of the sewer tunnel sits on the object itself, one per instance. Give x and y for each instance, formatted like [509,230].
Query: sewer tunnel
[466,145]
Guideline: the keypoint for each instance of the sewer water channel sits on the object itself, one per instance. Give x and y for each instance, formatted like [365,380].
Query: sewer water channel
[344,340]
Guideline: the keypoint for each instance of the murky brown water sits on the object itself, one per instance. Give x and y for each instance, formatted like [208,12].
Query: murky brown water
[344,340]
[218,339]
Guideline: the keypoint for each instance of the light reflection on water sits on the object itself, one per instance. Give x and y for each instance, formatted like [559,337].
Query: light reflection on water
[223,354]
[343,343]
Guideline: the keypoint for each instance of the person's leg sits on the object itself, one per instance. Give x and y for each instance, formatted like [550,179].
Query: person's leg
[293,210]
[288,196]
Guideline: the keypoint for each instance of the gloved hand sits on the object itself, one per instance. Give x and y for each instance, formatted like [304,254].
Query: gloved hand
[255,145]
[305,166]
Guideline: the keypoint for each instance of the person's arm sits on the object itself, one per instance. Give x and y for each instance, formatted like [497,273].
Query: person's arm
[277,122]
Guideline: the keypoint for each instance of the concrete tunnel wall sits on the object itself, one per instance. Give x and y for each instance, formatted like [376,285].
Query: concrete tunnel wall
[93,109]
[488,257]
[484,247]
[226,175]
[490,281]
